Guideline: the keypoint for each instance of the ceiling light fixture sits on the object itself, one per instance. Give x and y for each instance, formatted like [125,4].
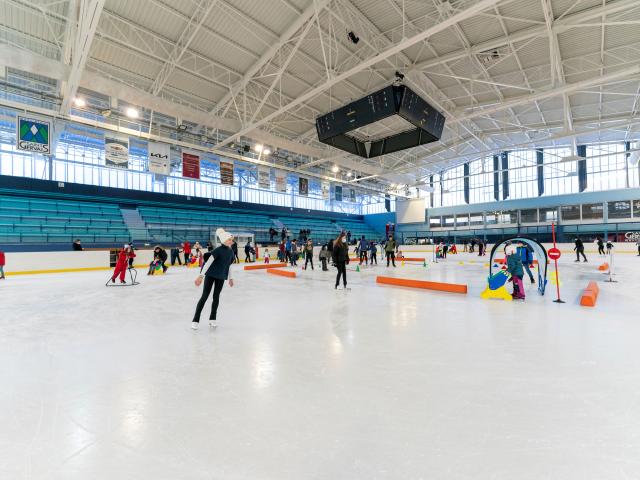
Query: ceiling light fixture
[266,151]
[335,169]
[258,148]
[79,102]
[131,112]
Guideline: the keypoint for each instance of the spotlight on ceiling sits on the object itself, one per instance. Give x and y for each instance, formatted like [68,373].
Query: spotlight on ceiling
[258,148]
[335,169]
[571,158]
[266,151]
[106,112]
[353,37]
[349,174]
[399,76]
[131,112]
[182,127]
[79,102]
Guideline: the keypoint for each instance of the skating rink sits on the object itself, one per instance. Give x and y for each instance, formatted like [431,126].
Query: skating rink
[300,381]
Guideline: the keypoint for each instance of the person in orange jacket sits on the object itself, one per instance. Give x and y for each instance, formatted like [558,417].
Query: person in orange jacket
[123,263]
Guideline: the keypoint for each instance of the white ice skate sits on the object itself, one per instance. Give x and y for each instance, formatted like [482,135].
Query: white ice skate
[195,325]
[213,323]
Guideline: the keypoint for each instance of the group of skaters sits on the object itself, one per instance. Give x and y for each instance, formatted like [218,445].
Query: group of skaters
[470,246]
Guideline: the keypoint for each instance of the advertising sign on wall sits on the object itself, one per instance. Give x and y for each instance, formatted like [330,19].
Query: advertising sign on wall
[159,158]
[326,188]
[190,165]
[264,177]
[116,152]
[303,186]
[33,135]
[338,193]
[226,173]
[281,181]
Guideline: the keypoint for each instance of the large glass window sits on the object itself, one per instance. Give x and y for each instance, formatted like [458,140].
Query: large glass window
[570,212]
[592,211]
[523,174]
[529,215]
[462,220]
[476,219]
[435,222]
[559,177]
[606,167]
[619,210]
[636,208]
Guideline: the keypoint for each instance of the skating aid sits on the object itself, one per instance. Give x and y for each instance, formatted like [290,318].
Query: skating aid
[133,275]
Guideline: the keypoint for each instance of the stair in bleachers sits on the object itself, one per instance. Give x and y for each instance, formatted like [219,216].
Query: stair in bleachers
[136,225]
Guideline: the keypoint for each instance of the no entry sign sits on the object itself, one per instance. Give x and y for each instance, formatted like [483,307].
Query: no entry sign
[554,253]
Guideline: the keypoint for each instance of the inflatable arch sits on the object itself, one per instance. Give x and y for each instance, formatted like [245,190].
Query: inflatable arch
[539,252]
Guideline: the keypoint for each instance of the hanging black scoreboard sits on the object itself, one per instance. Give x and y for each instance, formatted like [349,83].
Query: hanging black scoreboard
[333,127]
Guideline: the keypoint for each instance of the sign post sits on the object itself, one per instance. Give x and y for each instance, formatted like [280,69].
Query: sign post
[611,265]
[554,254]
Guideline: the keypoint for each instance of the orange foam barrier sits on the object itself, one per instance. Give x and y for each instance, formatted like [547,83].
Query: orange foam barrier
[590,295]
[604,267]
[410,259]
[440,286]
[282,273]
[261,266]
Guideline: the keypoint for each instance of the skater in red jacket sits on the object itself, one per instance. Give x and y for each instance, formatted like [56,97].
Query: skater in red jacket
[123,263]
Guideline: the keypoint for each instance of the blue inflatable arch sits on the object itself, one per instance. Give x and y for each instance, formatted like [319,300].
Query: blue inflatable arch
[539,253]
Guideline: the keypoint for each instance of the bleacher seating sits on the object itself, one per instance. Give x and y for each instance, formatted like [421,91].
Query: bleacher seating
[173,225]
[39,220]
[359,228]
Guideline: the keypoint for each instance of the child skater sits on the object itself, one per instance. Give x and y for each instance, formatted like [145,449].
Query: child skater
[265,255]
[214,272]
[514,267]
[308,254]
[323,256]
[2,263]
[122,264]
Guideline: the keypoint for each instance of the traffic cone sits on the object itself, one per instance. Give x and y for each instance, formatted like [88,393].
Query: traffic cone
[424,263]
[403,263]
[357,268]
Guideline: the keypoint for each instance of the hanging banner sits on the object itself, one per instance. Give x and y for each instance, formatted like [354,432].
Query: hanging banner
[303,186]
[353,195]
[346,194]
[33,135]
[264,177]
[281,181]
[326,188]
[116,152]
[226,173]
[338,193]
[159,158]
[190,165]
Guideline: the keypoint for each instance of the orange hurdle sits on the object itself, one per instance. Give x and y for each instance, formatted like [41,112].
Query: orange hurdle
[282,273]
[604,267]
[440,286]
[410,259]
[590,295]
[261,266]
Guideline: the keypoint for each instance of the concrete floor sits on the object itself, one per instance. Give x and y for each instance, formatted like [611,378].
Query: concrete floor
[303,382]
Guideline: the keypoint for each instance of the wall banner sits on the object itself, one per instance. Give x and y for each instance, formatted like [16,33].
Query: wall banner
[281,181]
[326,189]
[303,186]
[226,173]
[264,177]
[338,193]
[352,195]
[116,152]
[159,158]
[33,135]
[190,165]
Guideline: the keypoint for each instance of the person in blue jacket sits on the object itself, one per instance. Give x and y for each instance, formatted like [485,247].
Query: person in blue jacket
[514,267]
[526,255]
[214,273]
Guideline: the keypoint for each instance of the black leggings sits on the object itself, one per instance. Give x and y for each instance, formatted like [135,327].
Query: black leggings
[308,260]
[206,290]
[372,257]
[342,270]
[600,250]
[391,256]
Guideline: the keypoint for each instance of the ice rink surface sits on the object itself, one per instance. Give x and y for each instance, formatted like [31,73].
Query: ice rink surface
[303,382]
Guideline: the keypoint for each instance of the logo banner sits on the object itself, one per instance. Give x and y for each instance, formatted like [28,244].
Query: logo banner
[190,165]
[33,135]
[303,186]
[264,177]
[116,152]
[159,158]
[281,181]
[226,173]
[352,195]
[326,189]
[338,193]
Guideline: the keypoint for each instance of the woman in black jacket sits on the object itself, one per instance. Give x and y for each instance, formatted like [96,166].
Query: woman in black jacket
[214,272]
[159,257]
[341,258]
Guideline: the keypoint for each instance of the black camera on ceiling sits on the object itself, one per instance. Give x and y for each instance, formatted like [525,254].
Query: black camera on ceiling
[353,37]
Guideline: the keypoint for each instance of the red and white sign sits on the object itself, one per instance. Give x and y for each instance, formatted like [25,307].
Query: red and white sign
[554,253]
[190,165]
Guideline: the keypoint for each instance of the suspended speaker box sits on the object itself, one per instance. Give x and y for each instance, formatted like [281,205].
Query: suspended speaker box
[337,128]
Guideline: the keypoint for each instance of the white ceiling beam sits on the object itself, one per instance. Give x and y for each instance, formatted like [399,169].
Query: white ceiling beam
[88,17]
[202,11]
[70,30]
[530,32]
[268,55]
[394,50]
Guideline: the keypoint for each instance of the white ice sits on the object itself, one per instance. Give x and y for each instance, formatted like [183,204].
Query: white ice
[303,382]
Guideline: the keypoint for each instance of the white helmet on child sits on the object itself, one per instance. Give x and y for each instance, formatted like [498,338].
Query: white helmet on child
[511,250]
